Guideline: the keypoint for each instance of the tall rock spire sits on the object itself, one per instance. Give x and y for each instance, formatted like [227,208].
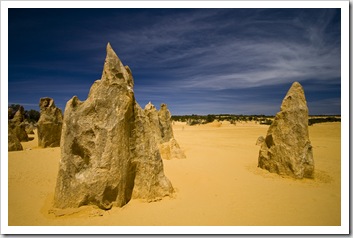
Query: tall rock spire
[287,149]
[49,123]
[114,72]
[161,124]
[109,154]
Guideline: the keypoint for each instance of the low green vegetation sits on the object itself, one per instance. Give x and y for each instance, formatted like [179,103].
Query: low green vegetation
[322,119]
[233,119]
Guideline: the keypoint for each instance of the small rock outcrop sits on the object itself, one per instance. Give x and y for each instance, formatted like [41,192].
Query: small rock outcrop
[161,124]
[109,153]
[260,140]
[171,150]
[13,142]
[19,115]
[286,149]
[49,124]
[30,127]
[18,126]
[165,123]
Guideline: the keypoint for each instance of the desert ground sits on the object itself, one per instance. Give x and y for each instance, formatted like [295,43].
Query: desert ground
[218,184]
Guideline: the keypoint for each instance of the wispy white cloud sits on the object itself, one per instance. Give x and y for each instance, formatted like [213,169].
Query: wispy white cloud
[186,55]
[203,49]
[218,62]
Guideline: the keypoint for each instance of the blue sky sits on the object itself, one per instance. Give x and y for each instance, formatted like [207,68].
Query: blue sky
[198,61]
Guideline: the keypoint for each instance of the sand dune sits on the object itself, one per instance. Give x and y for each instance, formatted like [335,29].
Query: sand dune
[218,184]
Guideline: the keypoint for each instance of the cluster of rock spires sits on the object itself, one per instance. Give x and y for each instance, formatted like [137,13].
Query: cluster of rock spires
[16,130]
[287,149]
[161,123]
[112,149]
[110,145]
[49,124]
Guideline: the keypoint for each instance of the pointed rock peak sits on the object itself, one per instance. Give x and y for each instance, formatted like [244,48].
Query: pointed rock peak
[111,52]
[287,148]
[296,84]
[19,115]
[109,46]
[149,106]
[296,88]
[111,55]
[295,98]
[114,70]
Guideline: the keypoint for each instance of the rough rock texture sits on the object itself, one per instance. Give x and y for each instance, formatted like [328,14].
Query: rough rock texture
[108,151]
[19,131]
[260,140]
[13,142]
[165,123]
[171,150]
[30,128]
[19,115]
[287,149]
[18,126]
[152,115]
[49,124]
[161,124]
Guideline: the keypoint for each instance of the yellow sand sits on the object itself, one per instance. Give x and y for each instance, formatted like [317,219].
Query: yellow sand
[218,184]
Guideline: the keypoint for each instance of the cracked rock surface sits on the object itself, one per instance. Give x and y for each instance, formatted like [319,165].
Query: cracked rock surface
[286,148]
[109,153]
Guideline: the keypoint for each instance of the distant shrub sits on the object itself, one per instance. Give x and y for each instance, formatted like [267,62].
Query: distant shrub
[32,115]
[203,119]
[210,118]
[313,121]
[194,122]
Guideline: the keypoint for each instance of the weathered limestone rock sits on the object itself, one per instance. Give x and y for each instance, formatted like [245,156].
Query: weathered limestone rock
[108,150]
[169,147]
[30,128]
[171,150]
[161,124]
[18,126]
[150,182]
[260,140]
[152,115]
[19,131]
[13,142]
[165,123]
[287,149]
[19,115]
[49,124]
